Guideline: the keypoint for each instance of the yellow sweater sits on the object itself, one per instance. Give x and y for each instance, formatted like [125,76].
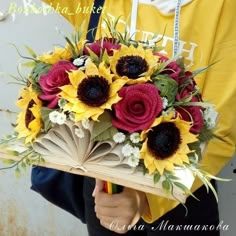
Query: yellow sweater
[207,35]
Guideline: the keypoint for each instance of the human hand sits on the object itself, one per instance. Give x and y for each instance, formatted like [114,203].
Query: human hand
[119,212]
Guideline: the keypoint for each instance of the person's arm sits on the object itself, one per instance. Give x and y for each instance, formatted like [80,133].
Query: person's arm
[60,188]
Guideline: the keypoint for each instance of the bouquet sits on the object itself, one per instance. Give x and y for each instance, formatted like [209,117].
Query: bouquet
[117,109]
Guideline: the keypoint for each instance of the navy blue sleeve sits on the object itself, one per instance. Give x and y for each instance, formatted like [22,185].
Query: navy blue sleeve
[60,188]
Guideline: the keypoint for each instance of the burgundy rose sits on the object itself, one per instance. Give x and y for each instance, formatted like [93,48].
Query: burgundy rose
[140,105]
[172,69]
[193,114]
[187,87]
[55,78]
[190,113]
[101,45]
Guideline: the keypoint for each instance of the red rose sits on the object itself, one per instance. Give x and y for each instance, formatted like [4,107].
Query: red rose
[55,78]
[140,105]
[172,69]
[99,46]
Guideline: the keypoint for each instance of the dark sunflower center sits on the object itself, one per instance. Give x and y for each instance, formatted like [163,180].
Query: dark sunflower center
[29,115]
[93,91]
[131,66]
[164,140]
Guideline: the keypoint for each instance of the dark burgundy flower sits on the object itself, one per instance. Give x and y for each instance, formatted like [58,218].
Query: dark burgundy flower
[190,113]
[99,46]
[172,69]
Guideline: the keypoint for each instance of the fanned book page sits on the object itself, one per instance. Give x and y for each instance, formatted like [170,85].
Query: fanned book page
[70,148]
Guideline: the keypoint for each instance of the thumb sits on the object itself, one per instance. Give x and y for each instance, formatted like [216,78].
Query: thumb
[99,185]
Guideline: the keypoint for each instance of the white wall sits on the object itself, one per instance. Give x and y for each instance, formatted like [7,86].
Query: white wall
[23,212]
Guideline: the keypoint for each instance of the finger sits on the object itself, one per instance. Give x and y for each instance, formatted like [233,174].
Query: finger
[107,200]
[102,211]
[99,184]
[98,187]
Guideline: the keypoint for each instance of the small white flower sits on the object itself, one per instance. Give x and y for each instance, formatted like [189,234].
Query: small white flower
[79,133]
[53,116]
[119,137]
[127,150]
[85,123]
[210,116]
[135,137]
[78,62]
[133,160]
[136,152]
[61,119]
[164,102]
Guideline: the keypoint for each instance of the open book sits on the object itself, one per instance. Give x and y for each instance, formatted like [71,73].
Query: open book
[69,147]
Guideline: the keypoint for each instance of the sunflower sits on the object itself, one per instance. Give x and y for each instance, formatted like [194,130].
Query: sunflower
[91,92]
[29,121]
[60,54]
[134,64]
[166,144]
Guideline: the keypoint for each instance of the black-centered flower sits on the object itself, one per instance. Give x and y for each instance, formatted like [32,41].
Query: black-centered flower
[166,144]
[29,121]
[29,116]
[131,66]
[134,64]
[93,91]
[164,140]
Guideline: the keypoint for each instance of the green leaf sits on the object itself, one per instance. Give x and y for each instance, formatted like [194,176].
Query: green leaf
[173,177]
[105,57]
[93,56]
[30,51]
[72,47]
[45,117]
[168,87]
[185,189]
[203,69]
[166,186]
[8,161]
[145,170]
[107,134]
[29,64]
[205,134]
[24,166]
[156,177]
[103,129]
[40,68]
